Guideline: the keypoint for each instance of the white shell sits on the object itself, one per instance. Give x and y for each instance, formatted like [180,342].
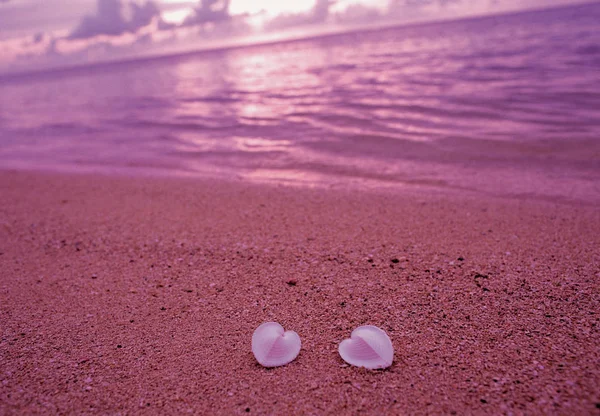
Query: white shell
[273,346]
[368,347]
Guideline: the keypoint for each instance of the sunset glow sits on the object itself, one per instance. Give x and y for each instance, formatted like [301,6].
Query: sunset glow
[175,16]
[59,33]
[270,7]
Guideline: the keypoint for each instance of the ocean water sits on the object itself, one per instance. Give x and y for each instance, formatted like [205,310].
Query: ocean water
[506,105]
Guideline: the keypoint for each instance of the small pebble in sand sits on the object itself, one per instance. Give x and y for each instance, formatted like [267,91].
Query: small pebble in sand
[369,347]
[272,346]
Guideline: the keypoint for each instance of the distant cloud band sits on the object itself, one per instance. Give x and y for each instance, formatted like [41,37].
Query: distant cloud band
[109,19]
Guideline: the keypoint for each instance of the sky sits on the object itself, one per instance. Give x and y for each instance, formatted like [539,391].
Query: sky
[36,34]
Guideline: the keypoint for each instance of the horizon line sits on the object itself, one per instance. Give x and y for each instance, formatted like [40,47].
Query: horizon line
[334,31]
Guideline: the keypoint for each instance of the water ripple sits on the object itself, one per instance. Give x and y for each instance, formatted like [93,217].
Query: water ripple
[477,104]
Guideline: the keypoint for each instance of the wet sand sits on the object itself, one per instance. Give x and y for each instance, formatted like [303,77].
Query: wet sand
[140,296]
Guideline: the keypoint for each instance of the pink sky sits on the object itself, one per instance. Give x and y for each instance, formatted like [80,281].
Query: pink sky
[36,34]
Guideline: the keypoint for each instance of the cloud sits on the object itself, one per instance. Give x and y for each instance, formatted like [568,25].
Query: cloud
[38,37]
[128,28]
[110,20]
[318,14]
[358,14]
[418,8]
[209,11]
[406,10]
[123,29]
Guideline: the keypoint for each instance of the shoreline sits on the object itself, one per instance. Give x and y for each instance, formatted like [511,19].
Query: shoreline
[140,294]
[303,180]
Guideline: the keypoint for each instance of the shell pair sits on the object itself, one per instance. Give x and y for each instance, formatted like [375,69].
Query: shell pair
[368,346]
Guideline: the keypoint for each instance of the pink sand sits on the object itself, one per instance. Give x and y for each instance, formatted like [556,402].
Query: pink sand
[140,296]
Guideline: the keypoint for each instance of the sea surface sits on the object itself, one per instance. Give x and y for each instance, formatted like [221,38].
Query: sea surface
[506,105]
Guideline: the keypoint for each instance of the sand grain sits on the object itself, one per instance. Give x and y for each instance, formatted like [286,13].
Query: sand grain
[121,295]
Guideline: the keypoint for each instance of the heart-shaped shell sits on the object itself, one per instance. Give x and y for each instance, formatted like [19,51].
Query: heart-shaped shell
[273,346]
[368,347]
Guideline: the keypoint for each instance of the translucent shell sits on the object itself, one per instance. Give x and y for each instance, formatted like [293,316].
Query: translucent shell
[273,346]
[368,347]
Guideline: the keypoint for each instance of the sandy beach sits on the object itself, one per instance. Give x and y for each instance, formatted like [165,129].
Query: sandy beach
[140,296]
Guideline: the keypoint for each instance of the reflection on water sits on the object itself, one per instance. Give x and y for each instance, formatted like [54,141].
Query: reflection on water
[248,144]
[505,105]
